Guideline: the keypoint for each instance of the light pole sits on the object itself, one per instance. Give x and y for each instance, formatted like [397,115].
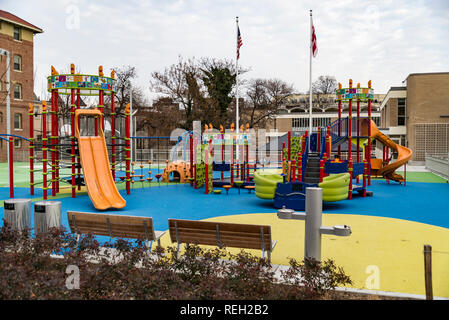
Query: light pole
[8,93]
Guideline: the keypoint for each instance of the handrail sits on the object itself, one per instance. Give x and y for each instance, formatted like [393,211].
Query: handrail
[12,135]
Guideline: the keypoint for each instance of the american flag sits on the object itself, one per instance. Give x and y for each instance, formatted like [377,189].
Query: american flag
[239,42]
[313,42]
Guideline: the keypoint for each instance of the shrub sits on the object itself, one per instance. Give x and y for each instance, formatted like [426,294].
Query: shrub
[36,268]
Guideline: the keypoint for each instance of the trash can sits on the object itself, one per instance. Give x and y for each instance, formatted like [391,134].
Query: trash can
[18,213]
[47,214]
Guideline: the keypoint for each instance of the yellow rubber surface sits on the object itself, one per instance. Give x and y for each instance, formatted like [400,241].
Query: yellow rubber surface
[381,254]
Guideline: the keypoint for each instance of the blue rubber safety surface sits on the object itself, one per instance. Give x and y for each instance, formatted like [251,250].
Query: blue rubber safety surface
[420,202]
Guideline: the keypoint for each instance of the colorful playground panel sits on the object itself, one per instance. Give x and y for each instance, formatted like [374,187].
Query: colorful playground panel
[362,94]
[65,82]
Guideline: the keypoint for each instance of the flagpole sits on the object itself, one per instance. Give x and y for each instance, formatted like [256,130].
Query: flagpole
[310,84]
[237,87]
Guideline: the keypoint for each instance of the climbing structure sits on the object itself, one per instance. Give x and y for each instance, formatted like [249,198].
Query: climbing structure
[179,170]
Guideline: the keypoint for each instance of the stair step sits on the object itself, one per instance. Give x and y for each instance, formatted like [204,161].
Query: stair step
[311,180]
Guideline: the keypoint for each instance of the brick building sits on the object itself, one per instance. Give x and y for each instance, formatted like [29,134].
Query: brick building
[17,37]
[417,115]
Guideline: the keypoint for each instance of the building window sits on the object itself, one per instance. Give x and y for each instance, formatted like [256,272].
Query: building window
[17,62]
[401,112]
[17,91]
[300,122]
[17,143]
[321,122]
[1,117]
[18,121]
[17,33]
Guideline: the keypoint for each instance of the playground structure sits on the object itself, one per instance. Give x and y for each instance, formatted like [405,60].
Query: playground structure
[83,146]
[313,159]
[307,160]
[179,170]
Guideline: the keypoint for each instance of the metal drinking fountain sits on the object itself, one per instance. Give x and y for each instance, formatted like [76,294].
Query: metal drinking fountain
[313,218]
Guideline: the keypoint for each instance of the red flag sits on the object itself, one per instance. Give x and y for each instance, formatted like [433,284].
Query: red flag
[313,42]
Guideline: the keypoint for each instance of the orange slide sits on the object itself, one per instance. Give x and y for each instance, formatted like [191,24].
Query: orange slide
[96,170]
[404,154]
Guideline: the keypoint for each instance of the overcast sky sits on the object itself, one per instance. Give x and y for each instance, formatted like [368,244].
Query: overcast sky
[379,40]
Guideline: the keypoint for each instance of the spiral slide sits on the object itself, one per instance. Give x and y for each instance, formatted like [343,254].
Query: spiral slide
[96,169]
[404,154]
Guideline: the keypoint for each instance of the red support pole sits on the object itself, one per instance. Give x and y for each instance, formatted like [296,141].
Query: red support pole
[299,167]
[101,108]
[232,161]
[283,148]
[31,147]
[206,165]
[195,149]
[350,124]
[54,101]
[72,126]
[113,137]
[57,148]
[72,136]
[303,143]
[365,171]
[387,155]
[44,149]
[247,163]
[369,139]
[325,158]
[11,167]
[191,159]
[128,149]
[350,130]
[339,126]
[222,155]
[405,174]
[289,144]
[294,170]
[321,170]
[350,170]
[78,106]
[358,132]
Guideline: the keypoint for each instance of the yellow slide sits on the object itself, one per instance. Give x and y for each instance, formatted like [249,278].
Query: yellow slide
[96,170]
[404,154]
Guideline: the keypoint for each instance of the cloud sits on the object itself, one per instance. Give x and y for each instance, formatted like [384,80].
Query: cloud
[382,41]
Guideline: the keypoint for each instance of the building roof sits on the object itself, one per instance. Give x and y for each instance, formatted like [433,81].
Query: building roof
[425,74]
[394,92]
[9,17]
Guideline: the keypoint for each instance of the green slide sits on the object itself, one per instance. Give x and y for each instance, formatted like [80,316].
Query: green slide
[265,184]
[335,187]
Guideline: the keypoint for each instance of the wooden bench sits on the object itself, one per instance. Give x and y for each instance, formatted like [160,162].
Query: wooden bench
[246,236]
[114,226]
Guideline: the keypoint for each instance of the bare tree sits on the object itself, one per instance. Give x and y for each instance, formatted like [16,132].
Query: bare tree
[322,87]
[203,87]
[265,98]
[179,82]
[124,75]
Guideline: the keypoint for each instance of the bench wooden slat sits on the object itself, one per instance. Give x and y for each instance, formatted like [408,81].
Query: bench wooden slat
[119,226]
[226,239]
[247,236]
